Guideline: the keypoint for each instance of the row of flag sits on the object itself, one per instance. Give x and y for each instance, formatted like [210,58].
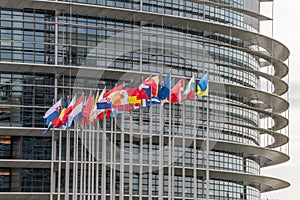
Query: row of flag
[110,103]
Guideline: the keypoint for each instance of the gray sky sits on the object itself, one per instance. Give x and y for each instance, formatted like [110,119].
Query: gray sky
[287,31]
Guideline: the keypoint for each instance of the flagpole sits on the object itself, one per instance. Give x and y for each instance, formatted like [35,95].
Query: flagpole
[75,165]
[121,151]
[150,150]
[97,160]
[111,158]
[74,162]
[130,156]
[114,156]
[122,156]
[92,160]
[89,161]
[195,140]
[113,136]
[52,180]
[84,161]
[172,123]
[67,170]
[171,153]
[207,144]
[180,97]
[103,168]
[161,152]
[59,165]
[81,165]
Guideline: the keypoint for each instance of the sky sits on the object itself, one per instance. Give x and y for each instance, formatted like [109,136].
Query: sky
[287,30]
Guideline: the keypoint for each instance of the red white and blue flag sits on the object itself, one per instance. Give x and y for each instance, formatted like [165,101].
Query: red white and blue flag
[53,112]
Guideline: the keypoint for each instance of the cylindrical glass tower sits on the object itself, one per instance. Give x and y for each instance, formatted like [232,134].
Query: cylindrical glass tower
[214,145]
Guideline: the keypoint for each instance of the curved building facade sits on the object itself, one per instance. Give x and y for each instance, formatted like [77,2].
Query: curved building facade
[214,145]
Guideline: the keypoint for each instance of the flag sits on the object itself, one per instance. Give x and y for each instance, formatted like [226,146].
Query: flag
[48,129]
[202,87]
[104,104]
[135,96]
[69,110]
[114,89]
[189,92]
[134,101]
[93,114]
[150,85]
[177,92]
[88,108]
[77,109]
[53,112]
[98,111]
[106,113]
[58,121]
[155,100]
[145,103]
[119,98]
[164,91]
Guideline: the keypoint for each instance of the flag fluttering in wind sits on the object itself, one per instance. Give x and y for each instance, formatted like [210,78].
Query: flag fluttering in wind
[58,121]
[103,103]
[177,92]
[48,128]
[93,114]
[77,109]
[189,92]
[69,110]
[150,85]
[51,114]
[164,91]
[202,87]
[135,96]
[88,108]
[53,111]
[114,89]
[119,98]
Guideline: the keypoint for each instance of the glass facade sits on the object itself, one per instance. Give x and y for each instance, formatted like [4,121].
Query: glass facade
[147,153]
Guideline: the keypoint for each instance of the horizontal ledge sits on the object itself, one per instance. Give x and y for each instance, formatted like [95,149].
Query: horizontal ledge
[244,11]
[275,48]
[16,163]
[269,157]
[276,103]
[280,121]
[24,195]
[262,183]
[280,86]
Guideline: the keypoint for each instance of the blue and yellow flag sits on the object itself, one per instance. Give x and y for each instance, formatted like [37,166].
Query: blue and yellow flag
[202,86]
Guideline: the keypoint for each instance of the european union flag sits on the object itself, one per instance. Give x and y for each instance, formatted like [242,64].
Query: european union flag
[164,91]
